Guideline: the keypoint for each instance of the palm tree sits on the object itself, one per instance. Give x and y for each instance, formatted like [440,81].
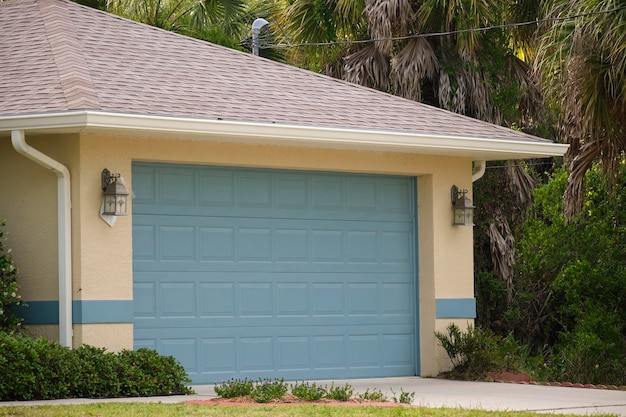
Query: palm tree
[217,19]
[456,72]
[583,65]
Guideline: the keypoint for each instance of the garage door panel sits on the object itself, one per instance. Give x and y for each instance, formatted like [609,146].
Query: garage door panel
[397,348]
[233,243]
[144,242]
[291,355]
[292,193]
[216,244]
[176,187]
[193,324]
[280,193]
[256,353]
[145,300]
[280,214]
[259,273]
[217,300]
[304,298]
[218,354]
[183,349]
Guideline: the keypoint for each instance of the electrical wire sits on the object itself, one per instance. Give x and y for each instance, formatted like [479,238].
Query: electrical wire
[546,161]
[434,34]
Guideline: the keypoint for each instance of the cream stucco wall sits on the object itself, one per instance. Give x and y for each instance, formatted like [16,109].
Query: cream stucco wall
[102,255]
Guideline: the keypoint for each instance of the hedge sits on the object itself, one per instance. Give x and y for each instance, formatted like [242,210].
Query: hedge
[38,369]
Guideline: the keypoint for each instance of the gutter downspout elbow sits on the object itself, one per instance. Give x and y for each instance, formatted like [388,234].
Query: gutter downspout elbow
[479,170]
[64,231]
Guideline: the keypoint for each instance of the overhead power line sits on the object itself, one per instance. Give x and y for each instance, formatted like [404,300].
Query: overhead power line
[452,32]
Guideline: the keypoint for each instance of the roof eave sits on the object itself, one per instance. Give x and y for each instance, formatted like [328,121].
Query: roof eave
[279,134]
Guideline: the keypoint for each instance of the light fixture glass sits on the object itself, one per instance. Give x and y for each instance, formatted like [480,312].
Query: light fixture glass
[114,194]
[463,210]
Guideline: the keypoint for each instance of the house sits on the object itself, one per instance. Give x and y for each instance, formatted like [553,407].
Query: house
[281,223]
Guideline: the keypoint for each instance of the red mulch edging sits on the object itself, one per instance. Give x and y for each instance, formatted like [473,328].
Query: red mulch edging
[290,399]
[522,378]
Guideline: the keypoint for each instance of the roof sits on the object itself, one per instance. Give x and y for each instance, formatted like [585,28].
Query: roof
[61,59]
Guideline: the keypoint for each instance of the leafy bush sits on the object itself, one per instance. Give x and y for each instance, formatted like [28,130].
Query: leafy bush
[43,369]
[234,388]
[266,390]
[571,281]
[476,352]
[144,372]
[95,373]
[405,397]
[592,353]
[374,395]
[308,391]
[9,297]
[340,393]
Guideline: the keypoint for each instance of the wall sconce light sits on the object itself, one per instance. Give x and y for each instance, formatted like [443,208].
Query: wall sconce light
[462,208]
[114,194]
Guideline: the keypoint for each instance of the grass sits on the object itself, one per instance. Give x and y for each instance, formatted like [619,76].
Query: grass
[185,410]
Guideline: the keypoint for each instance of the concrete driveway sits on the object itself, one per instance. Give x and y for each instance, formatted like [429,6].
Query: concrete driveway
[432,392]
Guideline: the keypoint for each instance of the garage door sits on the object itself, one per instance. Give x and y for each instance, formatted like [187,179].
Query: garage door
[264,273]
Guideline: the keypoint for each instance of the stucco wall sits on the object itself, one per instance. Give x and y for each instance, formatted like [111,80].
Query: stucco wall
[102,255]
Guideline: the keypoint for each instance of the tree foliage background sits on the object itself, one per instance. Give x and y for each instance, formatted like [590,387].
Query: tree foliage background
[570,292]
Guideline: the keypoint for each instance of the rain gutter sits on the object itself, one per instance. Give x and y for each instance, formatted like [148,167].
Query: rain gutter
[284,134]
[64,231]
[479,170]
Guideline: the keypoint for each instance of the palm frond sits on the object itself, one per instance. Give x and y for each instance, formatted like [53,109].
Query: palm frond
[369,67]
[444,90]
[502,246]
[521,184]
[531,102]
[388,18]
[583,63]
[415,63]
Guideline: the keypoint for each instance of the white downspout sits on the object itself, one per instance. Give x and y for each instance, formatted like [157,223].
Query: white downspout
[64,231]
[479,170]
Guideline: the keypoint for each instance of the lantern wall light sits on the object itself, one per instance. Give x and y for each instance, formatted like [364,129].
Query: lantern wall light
[463,210]
[114,194]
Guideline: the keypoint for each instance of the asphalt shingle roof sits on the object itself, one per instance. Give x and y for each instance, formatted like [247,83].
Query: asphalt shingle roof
[58,56]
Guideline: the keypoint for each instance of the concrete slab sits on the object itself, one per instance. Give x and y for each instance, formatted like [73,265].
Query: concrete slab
[435,393]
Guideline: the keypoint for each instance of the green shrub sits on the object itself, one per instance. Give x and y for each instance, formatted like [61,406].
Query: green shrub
[592,353]
[9,297]
[571,281]
[374,395]
[340,393]
[145,372]
[96,373]
[234,388]
[21,367]
[476,352]
[405,397]
[43,369]
[308,391]
[266,390]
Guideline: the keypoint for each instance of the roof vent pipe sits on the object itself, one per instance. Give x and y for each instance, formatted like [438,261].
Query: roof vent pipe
[64,231]
[257,25]
[479,170]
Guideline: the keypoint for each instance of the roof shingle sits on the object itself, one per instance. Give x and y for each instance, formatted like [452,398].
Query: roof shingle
[58,56]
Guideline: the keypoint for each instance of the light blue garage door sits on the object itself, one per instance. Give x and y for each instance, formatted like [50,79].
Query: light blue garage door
[263,273]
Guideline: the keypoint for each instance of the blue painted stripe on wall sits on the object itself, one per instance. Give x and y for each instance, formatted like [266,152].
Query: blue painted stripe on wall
[40,312]
[83,312]
[456,308]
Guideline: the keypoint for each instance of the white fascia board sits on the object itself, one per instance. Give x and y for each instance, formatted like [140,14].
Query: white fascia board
[281,134]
